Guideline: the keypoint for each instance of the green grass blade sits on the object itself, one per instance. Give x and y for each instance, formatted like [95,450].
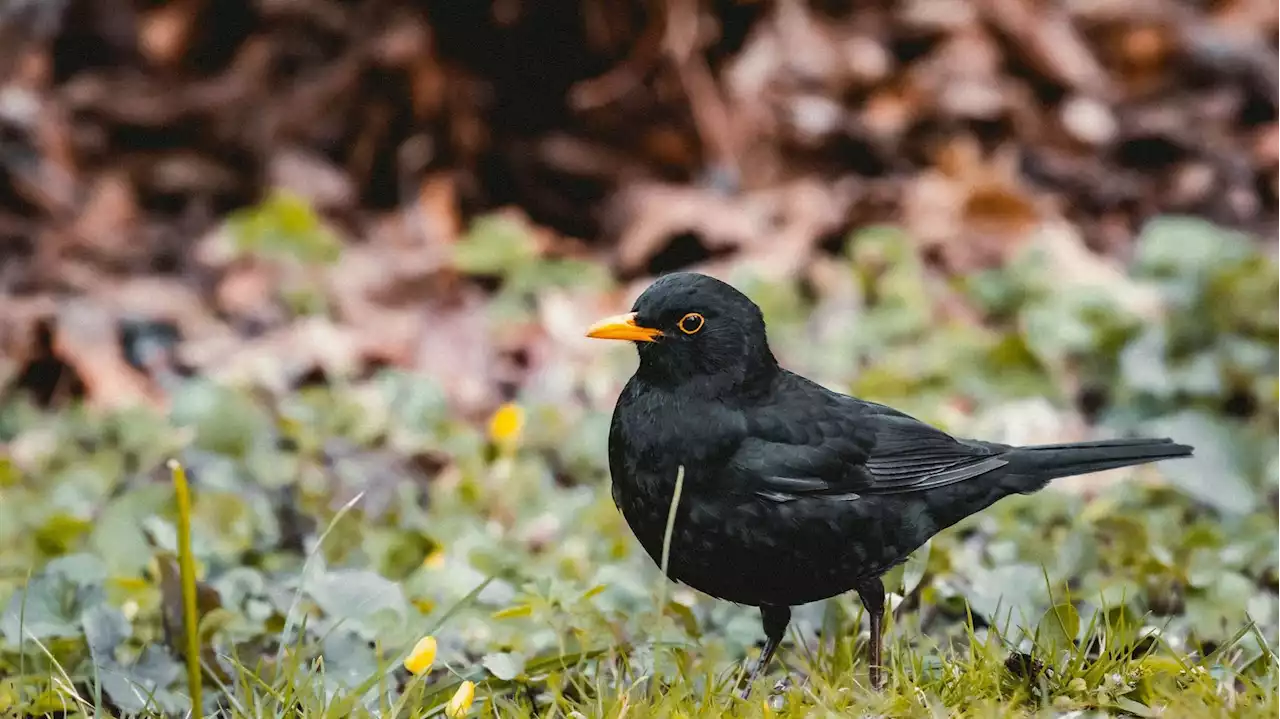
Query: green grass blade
[187,568]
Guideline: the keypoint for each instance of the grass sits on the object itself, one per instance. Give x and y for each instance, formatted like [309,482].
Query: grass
[186,563]
[323,532]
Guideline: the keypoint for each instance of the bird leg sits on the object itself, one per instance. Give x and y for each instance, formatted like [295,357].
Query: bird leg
[871,592]
[775,620]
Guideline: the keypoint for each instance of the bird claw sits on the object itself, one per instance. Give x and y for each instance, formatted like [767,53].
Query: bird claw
[780,687]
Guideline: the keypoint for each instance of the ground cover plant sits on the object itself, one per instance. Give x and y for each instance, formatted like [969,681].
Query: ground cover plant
[361,548]
[335,259]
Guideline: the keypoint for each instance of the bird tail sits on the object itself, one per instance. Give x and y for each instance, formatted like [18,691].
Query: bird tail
[1036,465]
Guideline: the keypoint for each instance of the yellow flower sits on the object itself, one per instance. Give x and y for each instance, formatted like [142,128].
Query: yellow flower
[461,701]
[422,656]
[434,559]
[506,424]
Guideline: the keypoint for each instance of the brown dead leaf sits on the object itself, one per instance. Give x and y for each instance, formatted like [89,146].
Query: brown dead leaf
[776,227]
[750,73]
[308,175]
[971,209]
[437,209]
[160,297]
[964,76]
[34,157]
[216,248]
[19,317]
[85,333]
[814,119]
[55,139]
[455,348]
[85,338]
[1139,50]
[1145,47]
[165,31]
[247,292]
[173,611]
[867,60]
[1050,42]
[942,16]
[277,360]
[810,55]
[397,268]
[32,69]
[381,287]
[184,172]
[1266,147]
[405,41]
[1078,266]
[1191,184]
[561,361]
[890,111]
[581,157]
[108,221]
[1088,121]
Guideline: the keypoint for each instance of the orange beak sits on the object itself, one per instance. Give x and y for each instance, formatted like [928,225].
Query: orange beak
[622,327]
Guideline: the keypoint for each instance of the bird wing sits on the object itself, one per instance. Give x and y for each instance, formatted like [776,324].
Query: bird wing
[911,456]
[809,441]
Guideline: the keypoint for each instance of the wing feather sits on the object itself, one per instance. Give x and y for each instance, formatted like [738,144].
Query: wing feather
[815,443]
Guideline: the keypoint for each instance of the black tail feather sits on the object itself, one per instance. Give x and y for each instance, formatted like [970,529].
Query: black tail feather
[1041,463]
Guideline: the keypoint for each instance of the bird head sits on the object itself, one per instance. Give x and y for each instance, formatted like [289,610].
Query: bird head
[688,327]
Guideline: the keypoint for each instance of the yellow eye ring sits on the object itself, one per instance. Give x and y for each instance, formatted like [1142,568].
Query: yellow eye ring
[692,323]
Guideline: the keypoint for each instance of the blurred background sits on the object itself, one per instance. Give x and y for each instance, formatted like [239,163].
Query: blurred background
[341,254]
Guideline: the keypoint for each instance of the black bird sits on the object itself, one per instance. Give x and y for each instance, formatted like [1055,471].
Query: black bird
[793,493]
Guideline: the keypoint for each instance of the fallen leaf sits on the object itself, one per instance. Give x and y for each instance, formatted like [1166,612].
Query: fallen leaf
[85,338]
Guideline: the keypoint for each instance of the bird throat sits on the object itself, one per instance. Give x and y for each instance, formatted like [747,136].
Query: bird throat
[706,374]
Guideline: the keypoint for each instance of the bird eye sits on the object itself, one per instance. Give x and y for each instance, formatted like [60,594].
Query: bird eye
[691,323]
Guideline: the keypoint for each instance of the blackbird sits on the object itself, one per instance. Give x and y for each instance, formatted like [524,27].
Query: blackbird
[793,493]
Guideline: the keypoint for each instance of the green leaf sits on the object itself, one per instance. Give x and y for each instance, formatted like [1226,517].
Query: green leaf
[53,602]
[1055,330]
[494,245]
[1132,707]
[1010,594]
[504,665]
[10,475]
[1186,247]
[685,618]
[371,604]
[349,660]
[1058,628]
[284,226]
[915,567]
[1213,474]
[417,404]
[225,421]
[145,684]
[118,535]
[105,627]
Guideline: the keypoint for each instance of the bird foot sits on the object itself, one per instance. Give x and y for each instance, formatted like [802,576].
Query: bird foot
[877,679]
[780,688]
[745,691]
[778,697]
